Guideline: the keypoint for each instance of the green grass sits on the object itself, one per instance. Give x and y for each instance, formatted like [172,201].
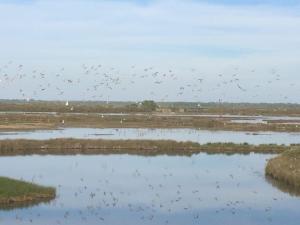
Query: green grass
[12,191]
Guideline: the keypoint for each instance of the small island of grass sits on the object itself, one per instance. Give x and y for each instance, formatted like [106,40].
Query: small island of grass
[286,168]
[14,193]
[69,146]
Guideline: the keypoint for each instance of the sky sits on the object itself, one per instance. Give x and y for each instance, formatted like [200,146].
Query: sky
[165,50]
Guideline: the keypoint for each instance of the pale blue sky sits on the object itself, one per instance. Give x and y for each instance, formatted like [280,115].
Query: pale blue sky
[226,44]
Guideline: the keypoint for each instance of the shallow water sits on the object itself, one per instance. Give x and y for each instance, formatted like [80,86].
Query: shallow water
[200,136]
[167,115]
[123,189]
[252,121]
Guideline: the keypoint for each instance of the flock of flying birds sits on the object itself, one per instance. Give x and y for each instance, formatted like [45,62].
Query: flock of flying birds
[99,82]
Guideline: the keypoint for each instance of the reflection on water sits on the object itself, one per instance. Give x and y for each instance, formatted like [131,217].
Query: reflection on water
[129,190]
[200,136]
[283,186]
[23,205]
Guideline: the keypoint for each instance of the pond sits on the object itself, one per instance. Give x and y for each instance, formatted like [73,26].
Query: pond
[134,190]
[195,135]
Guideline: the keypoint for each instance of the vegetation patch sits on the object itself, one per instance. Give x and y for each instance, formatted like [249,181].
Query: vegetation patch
[69,146]
[15,193]
[286,168]
[148,106]
[35,121]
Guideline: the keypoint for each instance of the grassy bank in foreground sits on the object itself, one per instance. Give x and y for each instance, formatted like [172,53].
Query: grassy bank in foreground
[139,147]
[15,193]
[286,168]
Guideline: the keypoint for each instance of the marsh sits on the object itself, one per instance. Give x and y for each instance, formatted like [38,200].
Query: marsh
[158,190]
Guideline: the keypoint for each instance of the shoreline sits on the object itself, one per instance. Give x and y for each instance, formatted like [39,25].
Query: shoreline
[16,193]
[38,121]
[285,168]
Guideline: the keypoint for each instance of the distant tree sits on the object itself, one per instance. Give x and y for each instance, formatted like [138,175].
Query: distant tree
[132,107]
[149,105]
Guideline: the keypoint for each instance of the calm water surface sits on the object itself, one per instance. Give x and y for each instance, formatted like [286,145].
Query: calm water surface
[236,116]
[200,136]
[134,190]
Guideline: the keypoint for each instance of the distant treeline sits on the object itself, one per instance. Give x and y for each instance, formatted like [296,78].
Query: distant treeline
[76,106]
[150,106]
